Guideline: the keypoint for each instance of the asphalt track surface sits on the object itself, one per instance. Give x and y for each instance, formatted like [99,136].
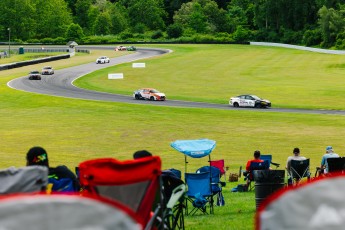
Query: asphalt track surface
[61,84]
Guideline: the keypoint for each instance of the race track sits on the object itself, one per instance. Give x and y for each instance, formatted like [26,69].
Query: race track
[61,84]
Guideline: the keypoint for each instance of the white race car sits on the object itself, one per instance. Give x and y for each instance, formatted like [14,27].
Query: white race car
[47,70]
[247,100]
[102,60]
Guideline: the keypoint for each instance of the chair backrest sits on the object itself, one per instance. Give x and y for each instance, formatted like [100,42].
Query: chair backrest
[169,181]
[23,180]
[60,211]
[134,183]
[198,183]
[257,166]
[299,168]
[336,164]
[266,158]
[219,164]
[215,175]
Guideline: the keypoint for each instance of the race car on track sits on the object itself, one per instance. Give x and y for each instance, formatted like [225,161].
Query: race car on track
[34,75]
[131,48]
[102,60]
[247,100]
[149,94]
[120,48]
[47,70]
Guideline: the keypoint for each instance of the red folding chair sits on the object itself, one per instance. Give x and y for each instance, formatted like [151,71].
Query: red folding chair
[220,165]
[134,183]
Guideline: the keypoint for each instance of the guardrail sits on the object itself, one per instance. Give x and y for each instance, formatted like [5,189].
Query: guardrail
[32,62]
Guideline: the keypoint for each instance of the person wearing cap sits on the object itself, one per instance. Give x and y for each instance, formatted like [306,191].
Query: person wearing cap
[329,154]
[38,156]
[296,156]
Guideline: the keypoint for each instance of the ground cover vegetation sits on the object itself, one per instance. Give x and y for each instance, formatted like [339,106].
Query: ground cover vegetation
[74,130]
[309,22]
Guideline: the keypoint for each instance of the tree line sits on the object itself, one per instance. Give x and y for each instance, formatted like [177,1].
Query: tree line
[304,22]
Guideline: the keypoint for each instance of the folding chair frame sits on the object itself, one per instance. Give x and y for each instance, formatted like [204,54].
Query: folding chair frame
[134,183]
[204,189]
[297,174]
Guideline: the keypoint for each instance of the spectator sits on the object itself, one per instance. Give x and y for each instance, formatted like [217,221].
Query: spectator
[141,154]
[38,156]
[256,159]
[296,156]
[329,154]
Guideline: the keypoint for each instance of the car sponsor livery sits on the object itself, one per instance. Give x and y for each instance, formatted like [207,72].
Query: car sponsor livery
[149,94]
[248,100]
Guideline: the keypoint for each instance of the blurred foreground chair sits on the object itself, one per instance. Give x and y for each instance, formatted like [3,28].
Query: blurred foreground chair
[29,179]
[133,183]
[61,211]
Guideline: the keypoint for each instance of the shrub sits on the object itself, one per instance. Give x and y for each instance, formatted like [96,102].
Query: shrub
[174,31]
[157,34]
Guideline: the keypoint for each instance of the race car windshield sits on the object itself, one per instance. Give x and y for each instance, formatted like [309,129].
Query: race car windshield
[154,91]
[256,97]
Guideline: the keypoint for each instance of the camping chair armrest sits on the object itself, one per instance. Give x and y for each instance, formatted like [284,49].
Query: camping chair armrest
[275,164]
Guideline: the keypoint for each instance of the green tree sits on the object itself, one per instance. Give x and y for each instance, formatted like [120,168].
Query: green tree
[331,24]
[149,12]
[82,8]
[102,24]
[18,16]
[191,16]
[74,32]
[119,18]
[52,17]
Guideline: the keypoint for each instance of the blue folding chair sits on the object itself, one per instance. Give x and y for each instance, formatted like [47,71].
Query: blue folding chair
[199,193]
[216,183]
[269,159]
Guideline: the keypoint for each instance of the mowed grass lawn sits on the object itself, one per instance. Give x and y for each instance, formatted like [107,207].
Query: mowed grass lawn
[74,130]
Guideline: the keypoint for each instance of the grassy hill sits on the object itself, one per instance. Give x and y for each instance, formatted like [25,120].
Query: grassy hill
[73,130]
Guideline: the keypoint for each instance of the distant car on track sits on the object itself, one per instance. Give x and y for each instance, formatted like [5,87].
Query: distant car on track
[47,70]
[247,100]
[102,60]
[149,94]
[120,48]
[131,48]
[34,75]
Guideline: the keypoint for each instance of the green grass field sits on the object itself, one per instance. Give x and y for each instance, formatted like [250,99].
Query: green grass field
[74,130]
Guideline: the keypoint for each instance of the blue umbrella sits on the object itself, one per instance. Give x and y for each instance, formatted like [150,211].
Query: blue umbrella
[194,148]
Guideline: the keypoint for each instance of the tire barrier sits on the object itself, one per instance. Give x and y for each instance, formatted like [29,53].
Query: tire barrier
[32,62]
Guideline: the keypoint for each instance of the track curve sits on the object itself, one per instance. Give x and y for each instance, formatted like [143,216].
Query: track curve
[61,84]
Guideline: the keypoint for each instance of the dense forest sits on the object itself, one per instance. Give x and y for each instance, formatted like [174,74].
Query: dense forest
[304,22]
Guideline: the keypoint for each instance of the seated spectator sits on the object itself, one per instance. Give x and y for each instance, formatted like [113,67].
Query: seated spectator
[38,156]
[141,154]
[329,154]
[256,159]
[296,156]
